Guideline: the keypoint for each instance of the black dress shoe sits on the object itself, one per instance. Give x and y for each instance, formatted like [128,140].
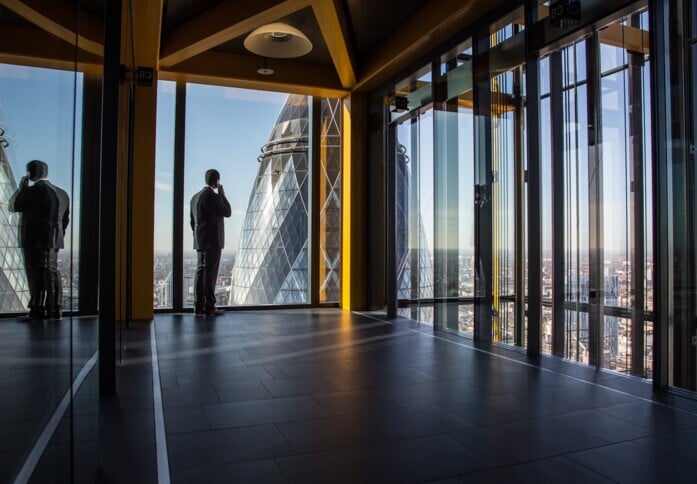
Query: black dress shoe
[215,312]
[199,312]
[56,315]
[33,316]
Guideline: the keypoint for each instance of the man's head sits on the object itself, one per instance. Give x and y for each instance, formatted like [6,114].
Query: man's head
[37,169]
[212,178]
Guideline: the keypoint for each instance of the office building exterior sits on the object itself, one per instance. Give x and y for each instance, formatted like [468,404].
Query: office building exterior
[14,292]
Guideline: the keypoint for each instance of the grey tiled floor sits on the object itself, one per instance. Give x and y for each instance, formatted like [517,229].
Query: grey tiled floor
[323,395]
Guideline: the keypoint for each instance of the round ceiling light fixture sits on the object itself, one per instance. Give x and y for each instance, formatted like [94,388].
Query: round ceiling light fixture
[278,41]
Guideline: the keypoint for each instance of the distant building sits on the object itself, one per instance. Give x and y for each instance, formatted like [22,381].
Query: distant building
[414,264]
[271,265]
[611,290]
[14,291]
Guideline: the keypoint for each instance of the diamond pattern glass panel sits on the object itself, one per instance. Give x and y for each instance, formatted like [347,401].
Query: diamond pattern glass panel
[271,265]
[14,295]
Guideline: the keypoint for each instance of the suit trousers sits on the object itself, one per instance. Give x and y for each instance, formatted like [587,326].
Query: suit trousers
[206,277]
[44,279]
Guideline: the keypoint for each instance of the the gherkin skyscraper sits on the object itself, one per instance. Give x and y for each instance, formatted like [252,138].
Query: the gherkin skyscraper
[14,291]
[271,266]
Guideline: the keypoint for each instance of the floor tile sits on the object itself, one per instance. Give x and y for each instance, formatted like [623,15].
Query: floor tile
[633,463]
[413,460]
[242,414]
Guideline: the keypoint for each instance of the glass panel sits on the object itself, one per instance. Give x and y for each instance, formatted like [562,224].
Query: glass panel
[416,89]
[680,211]
[454,189]
[414,178]
[330,201]
[43,138]
[618,344]
[507,156]
[164,182]
[626,117]
[258,141]
[546,222]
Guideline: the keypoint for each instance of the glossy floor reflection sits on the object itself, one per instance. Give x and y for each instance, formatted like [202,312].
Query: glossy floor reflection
[323,395]
[38,363]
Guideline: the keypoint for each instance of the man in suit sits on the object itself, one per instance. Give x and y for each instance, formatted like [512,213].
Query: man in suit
[207,211]
[45,216]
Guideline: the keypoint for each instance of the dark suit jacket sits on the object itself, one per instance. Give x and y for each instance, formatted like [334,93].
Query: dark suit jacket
[207,212]
[45,210]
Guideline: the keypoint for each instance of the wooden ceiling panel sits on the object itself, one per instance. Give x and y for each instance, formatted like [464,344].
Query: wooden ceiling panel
[235,70]
[225,21]
[58,18]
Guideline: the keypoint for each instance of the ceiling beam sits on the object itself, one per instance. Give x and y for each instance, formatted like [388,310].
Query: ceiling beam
[34,47]
[221,23]
[332,22]
[58,17]
[145,27]
[625,37]
[432,24]
[235,70]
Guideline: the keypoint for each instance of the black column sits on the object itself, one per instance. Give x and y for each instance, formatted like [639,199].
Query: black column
[661,134]
[595,200]
[534,180]
[89,193]
[391,253]
[107,201]
[636,132]
[483,257]
[557,138]
[315,208]
[178,223]
[519,177]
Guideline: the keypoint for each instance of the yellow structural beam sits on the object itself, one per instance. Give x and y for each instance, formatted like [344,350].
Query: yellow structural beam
[332,23]
[223,22]
[143,29]
[236,70]
[33,47]
[63,20]
[354,209]
[346,183]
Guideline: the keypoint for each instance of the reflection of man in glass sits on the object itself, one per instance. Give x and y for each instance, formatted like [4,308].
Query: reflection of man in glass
[207,211]
[45,216]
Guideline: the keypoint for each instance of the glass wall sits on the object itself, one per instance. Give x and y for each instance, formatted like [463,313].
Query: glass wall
[164,189]
[49,112]
[413,155]
[261,143]
[458,138]
[454,189]
[507,123]
[330,201]
[675,271]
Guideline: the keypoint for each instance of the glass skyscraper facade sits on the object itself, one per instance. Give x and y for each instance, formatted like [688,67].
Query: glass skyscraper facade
[271,266]
[14,291]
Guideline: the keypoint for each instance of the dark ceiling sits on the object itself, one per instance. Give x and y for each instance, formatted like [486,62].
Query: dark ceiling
[178,11]
[372,21]
[95,7]
[8,17]
[369,22]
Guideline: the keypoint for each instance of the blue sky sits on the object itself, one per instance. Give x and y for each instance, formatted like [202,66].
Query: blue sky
[37,109]
[225,129]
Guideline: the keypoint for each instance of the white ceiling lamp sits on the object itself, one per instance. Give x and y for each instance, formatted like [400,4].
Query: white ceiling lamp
[278,41]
